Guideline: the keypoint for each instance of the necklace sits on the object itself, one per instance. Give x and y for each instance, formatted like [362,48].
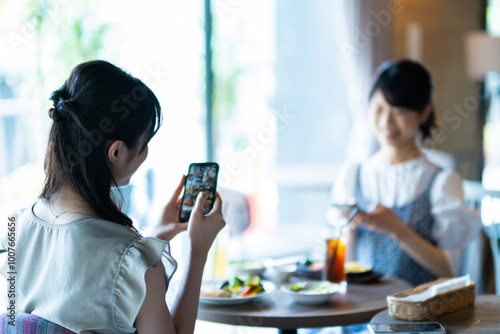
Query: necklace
[56,216]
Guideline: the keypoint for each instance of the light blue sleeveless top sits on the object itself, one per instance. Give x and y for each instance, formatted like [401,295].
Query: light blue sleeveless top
[382,252]
[86,275]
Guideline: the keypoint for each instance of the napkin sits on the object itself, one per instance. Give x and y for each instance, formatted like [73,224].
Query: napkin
[433,290]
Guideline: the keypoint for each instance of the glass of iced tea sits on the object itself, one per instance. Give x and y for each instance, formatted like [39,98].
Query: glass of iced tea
[333,270]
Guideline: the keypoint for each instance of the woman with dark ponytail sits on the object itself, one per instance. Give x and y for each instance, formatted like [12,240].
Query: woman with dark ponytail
[411,210]
[81,263]
[86,117]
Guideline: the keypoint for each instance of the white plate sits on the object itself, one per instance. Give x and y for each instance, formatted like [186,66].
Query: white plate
[309,298]
[268,287]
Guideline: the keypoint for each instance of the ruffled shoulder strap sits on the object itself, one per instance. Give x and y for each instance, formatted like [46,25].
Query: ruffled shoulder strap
[130,285]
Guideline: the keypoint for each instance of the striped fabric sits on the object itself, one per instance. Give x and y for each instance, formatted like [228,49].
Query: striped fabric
[30,324]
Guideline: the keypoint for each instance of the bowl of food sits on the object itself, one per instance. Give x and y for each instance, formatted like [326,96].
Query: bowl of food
[355,268]
[310,292]
[310,270]
[359,273]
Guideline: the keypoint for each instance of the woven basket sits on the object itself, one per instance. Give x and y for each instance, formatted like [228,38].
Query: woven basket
[430,308]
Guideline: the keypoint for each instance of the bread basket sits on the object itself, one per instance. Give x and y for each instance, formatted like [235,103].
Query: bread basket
[430,308]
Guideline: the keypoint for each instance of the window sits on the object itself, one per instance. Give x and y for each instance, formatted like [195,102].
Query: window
[281,120]
[280,124]
[161,42]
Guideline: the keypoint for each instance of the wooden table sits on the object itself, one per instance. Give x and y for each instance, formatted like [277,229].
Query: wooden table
[483,317]
[358,305]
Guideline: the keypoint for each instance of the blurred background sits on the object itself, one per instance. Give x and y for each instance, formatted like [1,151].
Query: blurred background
[275,91]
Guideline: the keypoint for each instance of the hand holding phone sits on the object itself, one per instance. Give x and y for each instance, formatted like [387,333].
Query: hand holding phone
[201,177]
[168,226]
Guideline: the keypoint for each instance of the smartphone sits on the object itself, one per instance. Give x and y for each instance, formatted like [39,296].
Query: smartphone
[408,328]
[200,177]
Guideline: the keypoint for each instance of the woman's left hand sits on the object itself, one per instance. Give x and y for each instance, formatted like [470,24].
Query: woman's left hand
[168,225]
[381,219]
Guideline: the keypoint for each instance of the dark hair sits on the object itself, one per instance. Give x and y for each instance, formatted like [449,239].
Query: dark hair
[98,103]
[406,84]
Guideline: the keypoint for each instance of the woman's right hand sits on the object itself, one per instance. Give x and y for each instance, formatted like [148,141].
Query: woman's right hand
[382,219]
[202,229]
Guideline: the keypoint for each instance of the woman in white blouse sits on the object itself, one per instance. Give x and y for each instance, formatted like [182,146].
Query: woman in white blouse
[411,210]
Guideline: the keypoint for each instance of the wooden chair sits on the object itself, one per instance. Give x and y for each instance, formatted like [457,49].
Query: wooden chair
[487,203]
[30,324]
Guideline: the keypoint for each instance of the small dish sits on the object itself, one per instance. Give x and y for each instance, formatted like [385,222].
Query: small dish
[310,270]
[364,278]
[280,274]
[311,293]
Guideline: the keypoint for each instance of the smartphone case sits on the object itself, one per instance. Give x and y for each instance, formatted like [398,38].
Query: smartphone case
[428,309]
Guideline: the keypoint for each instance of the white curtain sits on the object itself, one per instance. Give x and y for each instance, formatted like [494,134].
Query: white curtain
[363,31]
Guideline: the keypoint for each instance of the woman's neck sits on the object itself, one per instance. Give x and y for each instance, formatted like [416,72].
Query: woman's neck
[67,197]
[397,155]
[67,205]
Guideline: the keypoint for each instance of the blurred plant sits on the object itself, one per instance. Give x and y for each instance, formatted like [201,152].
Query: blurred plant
[67,32]
[64,34]
[45,39]
[227,72]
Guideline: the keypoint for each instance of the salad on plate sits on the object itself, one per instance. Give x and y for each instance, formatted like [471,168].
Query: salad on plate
[235,290]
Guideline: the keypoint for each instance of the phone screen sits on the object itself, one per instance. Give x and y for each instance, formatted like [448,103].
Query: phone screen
[413,328]
[200,177]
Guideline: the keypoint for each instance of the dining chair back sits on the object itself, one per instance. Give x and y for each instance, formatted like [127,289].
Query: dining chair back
[236,210]
[486,202]
[30,324]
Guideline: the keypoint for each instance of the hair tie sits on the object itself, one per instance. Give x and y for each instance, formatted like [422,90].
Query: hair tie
[60,105]
[58,113]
